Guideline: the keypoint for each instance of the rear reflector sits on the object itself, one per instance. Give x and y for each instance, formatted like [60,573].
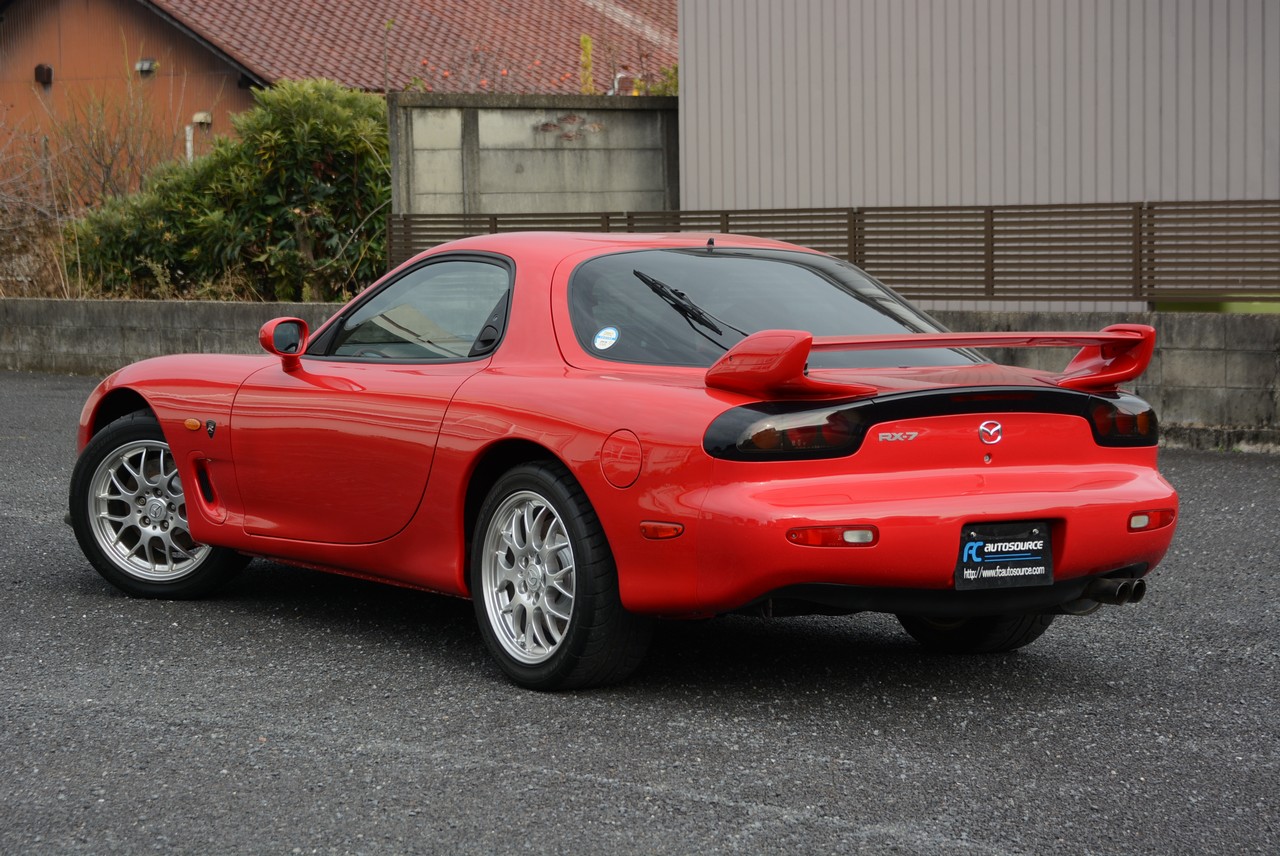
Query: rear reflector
[1144,521]
[834,536]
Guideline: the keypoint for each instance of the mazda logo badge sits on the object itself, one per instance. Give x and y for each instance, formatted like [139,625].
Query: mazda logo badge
[990,432]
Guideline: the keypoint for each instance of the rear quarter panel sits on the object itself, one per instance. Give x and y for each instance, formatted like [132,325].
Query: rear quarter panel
[571,414]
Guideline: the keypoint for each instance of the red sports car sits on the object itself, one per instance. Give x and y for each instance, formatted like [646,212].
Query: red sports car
[581,432]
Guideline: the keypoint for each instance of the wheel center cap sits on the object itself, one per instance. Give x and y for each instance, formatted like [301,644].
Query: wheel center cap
[157,510]
[534,578]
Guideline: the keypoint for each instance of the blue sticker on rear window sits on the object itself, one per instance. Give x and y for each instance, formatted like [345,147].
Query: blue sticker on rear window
[606,338]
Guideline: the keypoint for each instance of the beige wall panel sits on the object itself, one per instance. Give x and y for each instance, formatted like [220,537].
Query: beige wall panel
[572,201]
[506,171]
[437,129]
[437,203]
[970,102]
[437,171]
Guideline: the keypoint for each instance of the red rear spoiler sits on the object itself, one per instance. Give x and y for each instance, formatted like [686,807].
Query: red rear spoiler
[772,362]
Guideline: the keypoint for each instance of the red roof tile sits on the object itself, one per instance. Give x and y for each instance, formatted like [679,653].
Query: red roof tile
[436,45]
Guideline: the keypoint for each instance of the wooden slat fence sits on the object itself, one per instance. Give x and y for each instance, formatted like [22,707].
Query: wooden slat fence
[1163,251]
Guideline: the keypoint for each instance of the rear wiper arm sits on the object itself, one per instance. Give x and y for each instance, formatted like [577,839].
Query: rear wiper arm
[681,303]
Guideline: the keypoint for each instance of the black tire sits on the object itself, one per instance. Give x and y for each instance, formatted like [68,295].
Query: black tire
[987,634]
[128,512]
[545,587]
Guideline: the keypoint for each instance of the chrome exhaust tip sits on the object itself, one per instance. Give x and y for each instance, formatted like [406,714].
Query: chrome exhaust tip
[1114,592]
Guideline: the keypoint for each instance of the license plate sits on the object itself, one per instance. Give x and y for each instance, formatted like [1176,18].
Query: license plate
[999,555]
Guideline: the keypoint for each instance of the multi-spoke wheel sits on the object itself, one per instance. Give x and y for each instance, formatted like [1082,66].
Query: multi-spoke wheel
[545,587]
[129,513]
[527,575]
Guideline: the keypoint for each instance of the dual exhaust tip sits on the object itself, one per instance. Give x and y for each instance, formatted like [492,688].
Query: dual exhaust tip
[1116,592]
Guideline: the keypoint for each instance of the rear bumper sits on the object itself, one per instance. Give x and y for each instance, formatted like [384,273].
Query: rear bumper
[744,555]
[826,598]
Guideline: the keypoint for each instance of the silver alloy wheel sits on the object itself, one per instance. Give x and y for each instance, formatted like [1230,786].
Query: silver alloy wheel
[138,513]
[527,574]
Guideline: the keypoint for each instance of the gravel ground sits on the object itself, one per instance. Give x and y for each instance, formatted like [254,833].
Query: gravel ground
[304,713]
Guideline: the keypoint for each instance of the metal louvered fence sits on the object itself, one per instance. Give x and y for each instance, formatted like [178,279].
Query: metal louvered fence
[1152,252]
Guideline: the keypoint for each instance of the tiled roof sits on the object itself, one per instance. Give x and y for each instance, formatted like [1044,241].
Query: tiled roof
[435,45]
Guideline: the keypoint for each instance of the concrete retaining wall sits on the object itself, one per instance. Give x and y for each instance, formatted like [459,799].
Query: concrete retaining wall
[1213,379]
[512,154]
[96,337]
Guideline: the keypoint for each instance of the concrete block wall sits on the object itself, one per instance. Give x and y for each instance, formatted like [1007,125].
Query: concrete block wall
[1213,380]
[513,154]
[96,337]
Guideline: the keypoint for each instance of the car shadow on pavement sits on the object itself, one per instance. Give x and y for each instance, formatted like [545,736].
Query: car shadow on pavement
[757,657]
[846,652]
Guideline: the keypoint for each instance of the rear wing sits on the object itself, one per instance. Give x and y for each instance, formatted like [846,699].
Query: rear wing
[772,362]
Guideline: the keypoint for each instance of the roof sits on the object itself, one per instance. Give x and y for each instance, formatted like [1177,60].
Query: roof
[529,46]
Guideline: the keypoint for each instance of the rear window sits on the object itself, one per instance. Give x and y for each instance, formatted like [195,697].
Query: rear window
[686,307]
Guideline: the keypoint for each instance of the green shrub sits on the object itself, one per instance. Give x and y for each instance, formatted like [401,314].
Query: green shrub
[668,82]
[293,207]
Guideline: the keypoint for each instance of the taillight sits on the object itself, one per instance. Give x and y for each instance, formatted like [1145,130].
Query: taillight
[799,432]
[828,432]
[1124,420]
[803,430]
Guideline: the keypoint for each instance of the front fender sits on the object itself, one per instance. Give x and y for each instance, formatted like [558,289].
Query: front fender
[191,397]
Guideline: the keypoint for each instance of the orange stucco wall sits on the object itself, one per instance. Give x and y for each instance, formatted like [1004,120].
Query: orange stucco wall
[92,47]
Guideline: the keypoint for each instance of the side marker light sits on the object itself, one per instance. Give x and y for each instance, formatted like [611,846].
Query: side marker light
[657,530]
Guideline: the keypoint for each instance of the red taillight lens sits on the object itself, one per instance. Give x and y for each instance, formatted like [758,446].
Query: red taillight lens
[818,432]
[787,431]
[1123,421]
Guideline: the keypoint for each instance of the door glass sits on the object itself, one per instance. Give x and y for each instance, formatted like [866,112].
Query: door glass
[435,312]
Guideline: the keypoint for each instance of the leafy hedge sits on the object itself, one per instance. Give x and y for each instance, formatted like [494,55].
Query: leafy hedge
[292,208]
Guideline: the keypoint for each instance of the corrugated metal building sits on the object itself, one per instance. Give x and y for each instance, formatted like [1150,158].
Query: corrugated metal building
[810,103]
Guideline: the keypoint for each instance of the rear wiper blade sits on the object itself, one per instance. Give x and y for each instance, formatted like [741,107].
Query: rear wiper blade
[681,303]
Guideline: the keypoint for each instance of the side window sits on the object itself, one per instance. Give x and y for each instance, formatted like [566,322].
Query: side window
[448,310]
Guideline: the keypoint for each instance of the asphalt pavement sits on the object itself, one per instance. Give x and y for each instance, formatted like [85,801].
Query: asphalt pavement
[300,712]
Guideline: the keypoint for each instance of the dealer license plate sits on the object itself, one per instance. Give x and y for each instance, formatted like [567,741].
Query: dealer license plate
[998,555]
